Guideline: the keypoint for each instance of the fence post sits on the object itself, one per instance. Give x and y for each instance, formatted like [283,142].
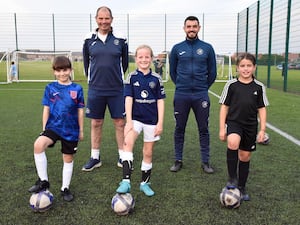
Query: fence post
[247,29]
[270,42]
[91,26]
[257,32]
[53,32]
[16,31]
[287,45]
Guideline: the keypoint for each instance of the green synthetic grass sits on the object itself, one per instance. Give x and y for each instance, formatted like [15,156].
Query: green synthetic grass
[187,197]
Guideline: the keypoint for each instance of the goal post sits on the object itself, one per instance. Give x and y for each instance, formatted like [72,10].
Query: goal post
[36,66]
[4,67]
[224,67]
[220,66]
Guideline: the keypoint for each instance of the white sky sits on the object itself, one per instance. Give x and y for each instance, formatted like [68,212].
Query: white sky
[123,6]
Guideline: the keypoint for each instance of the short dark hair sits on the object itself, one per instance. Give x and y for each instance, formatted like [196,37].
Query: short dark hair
[61,62]
[191,18]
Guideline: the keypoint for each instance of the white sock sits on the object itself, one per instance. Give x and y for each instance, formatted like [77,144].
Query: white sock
[40,160]
[120,153]
[67,175]
[146,166]
[127,156]
[95,153]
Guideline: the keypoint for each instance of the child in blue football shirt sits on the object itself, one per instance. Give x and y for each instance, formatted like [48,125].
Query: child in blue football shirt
[62,120]
[144,106]
[13,72]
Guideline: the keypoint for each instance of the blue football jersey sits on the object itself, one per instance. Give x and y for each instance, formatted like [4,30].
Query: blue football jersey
[64,101]
[145,91]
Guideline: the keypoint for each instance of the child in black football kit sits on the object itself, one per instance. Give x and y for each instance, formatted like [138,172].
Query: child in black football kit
[241,100]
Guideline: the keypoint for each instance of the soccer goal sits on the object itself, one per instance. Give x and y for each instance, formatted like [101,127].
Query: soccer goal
[160,65]
[35,66]
[224,67]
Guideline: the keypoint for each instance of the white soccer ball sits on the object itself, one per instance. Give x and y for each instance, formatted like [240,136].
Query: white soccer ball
[42,201]
[122,204]
[266,140]
[230,197]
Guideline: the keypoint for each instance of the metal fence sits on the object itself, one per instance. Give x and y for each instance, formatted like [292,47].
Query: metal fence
[65,32]
[270,29]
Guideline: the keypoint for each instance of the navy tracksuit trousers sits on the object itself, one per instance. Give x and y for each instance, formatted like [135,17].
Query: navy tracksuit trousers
[200,105]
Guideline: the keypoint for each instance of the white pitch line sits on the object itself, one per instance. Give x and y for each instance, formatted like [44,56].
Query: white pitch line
[275,129]
[284,134]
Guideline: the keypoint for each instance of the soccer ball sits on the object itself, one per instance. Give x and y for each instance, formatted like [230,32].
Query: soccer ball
[42,201]
[122,204]
[266,140]
[230,197]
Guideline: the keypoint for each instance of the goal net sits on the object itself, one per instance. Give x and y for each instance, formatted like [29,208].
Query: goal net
[36,66]
[224,67]
[160,65]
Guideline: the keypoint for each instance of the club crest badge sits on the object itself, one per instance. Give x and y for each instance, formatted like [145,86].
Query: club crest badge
[116,42]
[73,94]
[204,104]
[199,51]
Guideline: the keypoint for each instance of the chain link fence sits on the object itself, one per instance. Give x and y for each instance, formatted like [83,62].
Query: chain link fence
[66,32]
[270,29]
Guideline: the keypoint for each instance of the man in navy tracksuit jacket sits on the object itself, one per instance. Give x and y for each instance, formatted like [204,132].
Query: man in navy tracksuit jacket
[104,63]
[105,58]
[193,71]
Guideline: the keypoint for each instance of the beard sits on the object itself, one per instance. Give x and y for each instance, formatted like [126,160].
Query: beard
[191,35]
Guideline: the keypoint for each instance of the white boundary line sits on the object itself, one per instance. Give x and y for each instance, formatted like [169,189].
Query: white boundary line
[270,126]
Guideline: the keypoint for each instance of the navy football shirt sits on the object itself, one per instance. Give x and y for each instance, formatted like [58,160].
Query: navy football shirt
[145,91]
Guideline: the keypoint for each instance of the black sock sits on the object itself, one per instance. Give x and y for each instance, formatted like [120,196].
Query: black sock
[232,162]
[146,175]
[243,173]
[127,166]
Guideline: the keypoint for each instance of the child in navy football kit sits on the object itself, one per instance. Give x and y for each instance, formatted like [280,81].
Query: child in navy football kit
[242,99]
[144,106]
[62,121]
